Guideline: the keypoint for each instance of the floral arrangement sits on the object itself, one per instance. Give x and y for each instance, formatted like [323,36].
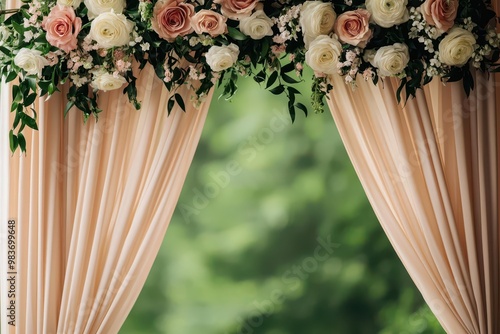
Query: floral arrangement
[100,45]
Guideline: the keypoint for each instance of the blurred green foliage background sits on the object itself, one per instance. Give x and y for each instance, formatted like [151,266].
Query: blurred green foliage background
[273,234]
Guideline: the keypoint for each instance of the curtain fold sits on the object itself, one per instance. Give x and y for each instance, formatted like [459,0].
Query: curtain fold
[430,171]
[91,204]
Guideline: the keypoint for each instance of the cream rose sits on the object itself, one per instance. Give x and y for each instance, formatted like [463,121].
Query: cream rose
[316,18]
[172,18]
[388,13]
[391,60]
[210,22]
[323,54]
[457,47]
[111,30]
[31,61]
[237,9]
[62,27]
[440,13]
[257,26]
[353,27]
[70,3]
[220,58]
[107,81]
[97,7]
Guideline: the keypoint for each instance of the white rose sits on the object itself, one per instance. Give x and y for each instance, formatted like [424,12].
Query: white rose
[316,18]
[323,54]
[111,30]
[457,47]
[391,60]
[107,81]
[70,3]
[257,26]
[97,7]
[220,58]
[388,13]
[31,61]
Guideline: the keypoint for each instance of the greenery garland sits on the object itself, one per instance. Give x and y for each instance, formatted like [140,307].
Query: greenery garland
[93,45]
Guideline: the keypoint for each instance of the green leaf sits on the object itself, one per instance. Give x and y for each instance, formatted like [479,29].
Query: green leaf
[13,141]
[17,27]
[32,83]
[260,77]
[292,90]
[221,78]
[22,142]
[29,121]
[14,106]
[301,107]
[170,104]
[291,111]
[41,39]
[468,82]
[190,58]
[400,89]
[277,90]
[20,109]
[69,105]
[272,79]
[17,96]
[230,88]
[180,101]
[289,79]
[288,68]
[25,88]
[52,88]
[11,76]
[4,50]
[44,87]
[30,99]
[236,34]
[265,48]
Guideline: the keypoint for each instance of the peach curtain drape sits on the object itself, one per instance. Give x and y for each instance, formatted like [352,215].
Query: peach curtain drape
[430,171]
[91,204]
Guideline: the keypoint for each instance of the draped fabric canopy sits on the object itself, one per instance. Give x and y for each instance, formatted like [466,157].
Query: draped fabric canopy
[91,204]
[430,171]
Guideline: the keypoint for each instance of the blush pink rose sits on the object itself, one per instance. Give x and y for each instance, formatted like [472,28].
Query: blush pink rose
[237,9]
[353,27]
[440,13]
[172,18]
[62,27]
[207,21]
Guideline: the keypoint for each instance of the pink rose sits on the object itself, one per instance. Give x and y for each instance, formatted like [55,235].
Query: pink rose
[207,21]
[172,18]
[353,28]
[62,27]
[237,9]
[440,13]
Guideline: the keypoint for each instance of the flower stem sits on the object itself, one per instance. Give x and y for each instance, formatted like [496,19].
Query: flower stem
[8,11]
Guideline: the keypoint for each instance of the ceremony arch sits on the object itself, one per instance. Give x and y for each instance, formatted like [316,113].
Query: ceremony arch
[89,204]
